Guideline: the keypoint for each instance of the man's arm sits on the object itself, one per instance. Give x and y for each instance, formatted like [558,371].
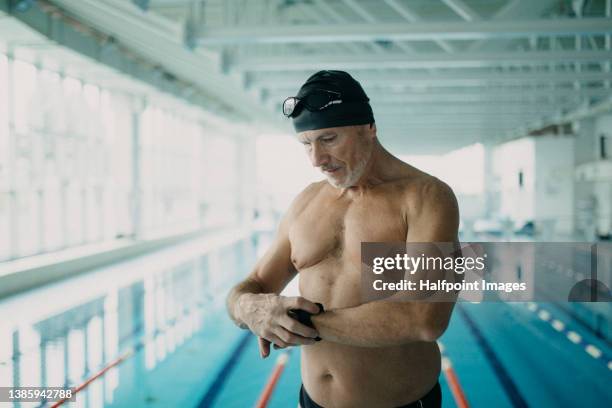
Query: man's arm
[389,323]
[270,275]
[255,303]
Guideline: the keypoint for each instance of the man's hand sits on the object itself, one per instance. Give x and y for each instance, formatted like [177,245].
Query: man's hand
[266,316]
[264,347]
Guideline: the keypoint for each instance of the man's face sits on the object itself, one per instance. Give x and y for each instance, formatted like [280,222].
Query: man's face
[341,153]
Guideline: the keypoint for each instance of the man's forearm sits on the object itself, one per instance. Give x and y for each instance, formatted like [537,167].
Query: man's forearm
[380,324]
[247,286]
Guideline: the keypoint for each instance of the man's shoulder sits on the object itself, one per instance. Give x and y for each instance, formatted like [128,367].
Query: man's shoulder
[421,190]
[414,181]
[311,190]
[431,210]
[306,196]
[433,189]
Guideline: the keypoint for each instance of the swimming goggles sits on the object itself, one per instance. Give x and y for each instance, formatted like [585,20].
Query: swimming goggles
[316,100]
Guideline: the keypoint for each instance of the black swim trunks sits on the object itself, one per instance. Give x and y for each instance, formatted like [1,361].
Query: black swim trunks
[433,399]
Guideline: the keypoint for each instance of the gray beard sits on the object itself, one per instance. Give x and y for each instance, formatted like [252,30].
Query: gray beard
[353,177]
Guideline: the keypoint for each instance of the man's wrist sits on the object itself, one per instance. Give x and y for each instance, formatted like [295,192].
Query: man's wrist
[238,308]
[305,317]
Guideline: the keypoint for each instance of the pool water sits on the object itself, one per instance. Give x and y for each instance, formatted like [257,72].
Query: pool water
[161,318]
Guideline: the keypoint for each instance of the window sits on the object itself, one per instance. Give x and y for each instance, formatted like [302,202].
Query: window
[53,222]
[5,226]
[461,168]
[27,223]
[221,181]
[5,204]
[172,173]
[4,127]
[6,356]
[24,96]
[67,166]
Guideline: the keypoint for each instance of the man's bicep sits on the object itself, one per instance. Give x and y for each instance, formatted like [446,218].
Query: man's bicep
[275,270]
[433,235]
[438,219]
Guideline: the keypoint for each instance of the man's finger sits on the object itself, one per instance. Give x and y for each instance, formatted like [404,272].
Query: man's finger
[295,327]
[274,338]
[292,339]
[264,347]
[302,303]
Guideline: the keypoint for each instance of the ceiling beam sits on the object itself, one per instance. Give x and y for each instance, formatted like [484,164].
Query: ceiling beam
[169,3]
[582,112]
[360,10]
[410,16]
[434,118]
[368,17]
[475,94]
[339,18]
[444,136]
[449,79]
[115,24]
[474,119]
[418,147]
[421,31]
[305,62]
[462,9]
[511,10]
[316,15]
[452,127]
[491,104]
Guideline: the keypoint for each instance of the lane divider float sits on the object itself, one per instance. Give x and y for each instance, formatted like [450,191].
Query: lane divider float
[131,351]
[571,335]
[453,380]
[266,394]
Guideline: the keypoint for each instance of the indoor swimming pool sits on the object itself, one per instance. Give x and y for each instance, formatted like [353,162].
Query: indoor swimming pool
[153,332]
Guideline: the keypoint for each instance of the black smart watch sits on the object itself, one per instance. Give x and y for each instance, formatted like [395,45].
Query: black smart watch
[303,316]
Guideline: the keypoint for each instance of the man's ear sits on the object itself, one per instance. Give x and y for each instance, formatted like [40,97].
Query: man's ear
[372,130]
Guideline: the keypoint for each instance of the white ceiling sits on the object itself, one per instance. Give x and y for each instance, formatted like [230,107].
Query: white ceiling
[441,73]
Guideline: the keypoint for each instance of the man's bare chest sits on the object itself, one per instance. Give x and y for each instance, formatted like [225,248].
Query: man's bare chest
[335,231]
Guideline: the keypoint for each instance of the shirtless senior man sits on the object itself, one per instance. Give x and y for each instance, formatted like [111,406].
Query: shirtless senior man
[374,354]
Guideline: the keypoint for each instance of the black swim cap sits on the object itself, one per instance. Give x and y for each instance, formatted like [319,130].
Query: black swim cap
[353,110]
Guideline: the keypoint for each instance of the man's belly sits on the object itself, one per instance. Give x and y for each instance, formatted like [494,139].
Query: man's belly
[337,375]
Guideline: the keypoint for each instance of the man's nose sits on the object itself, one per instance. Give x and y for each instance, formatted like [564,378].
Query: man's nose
[318,156]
